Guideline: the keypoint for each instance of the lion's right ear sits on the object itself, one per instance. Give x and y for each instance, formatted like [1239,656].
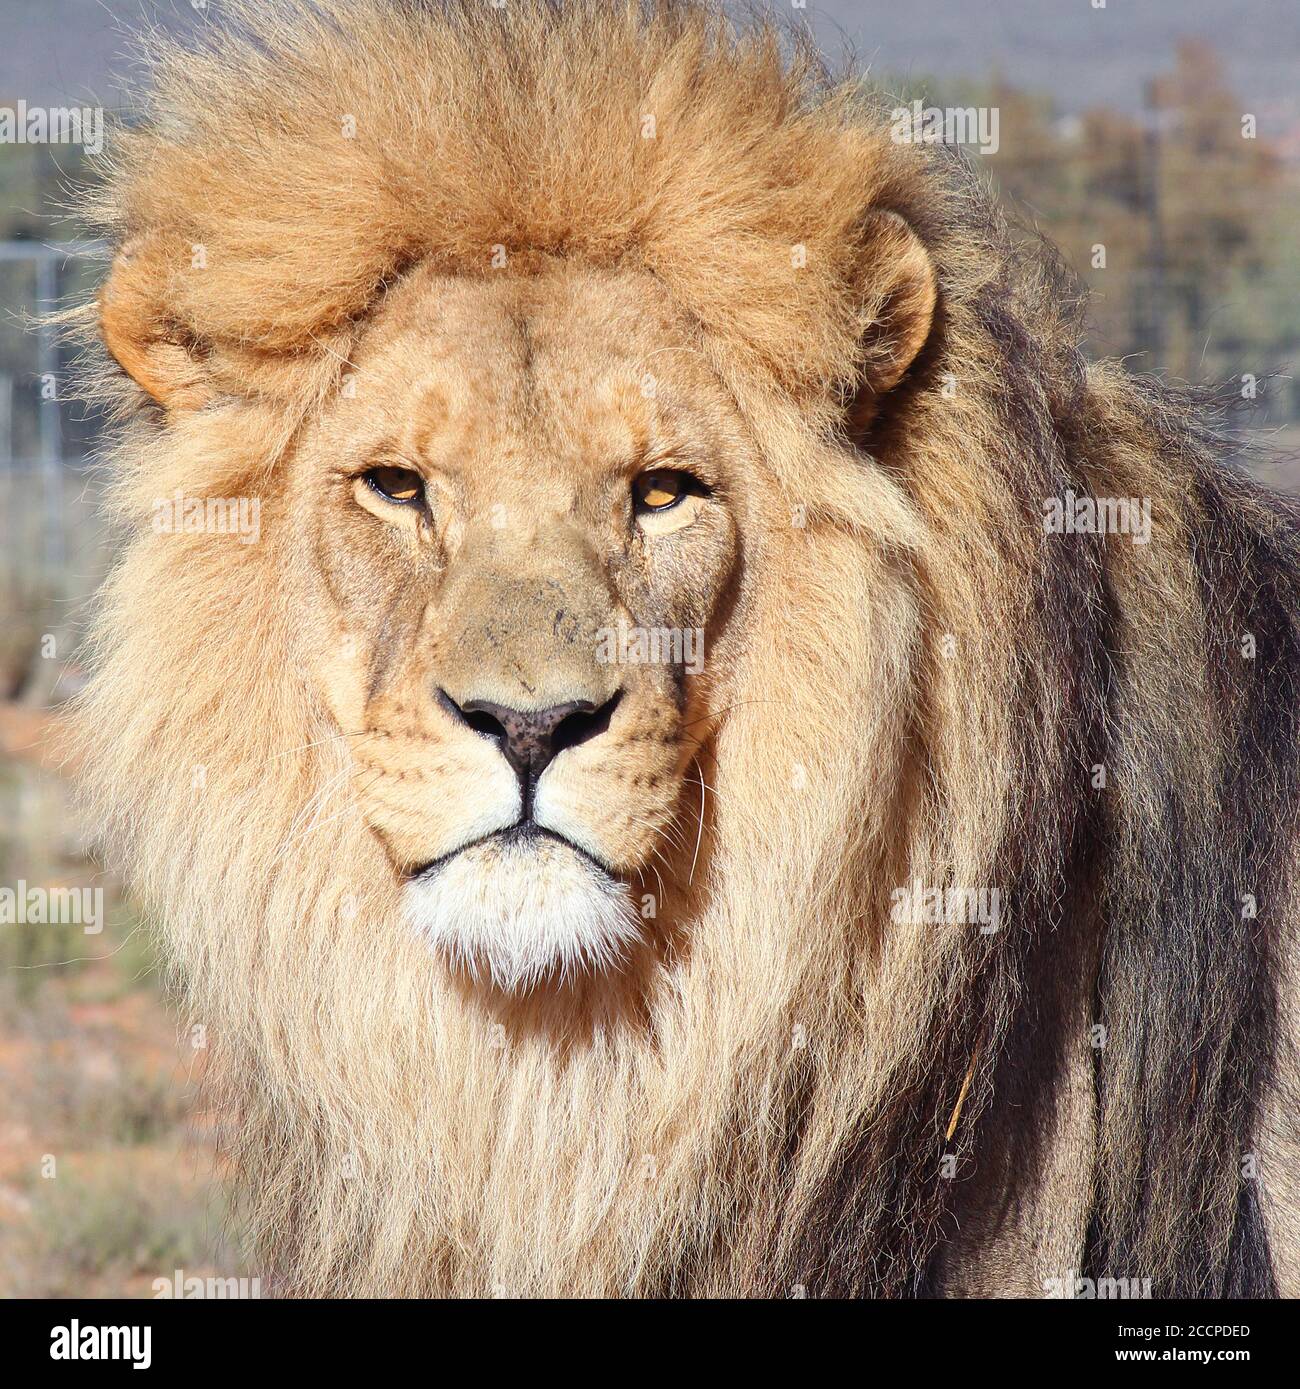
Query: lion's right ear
[147,342]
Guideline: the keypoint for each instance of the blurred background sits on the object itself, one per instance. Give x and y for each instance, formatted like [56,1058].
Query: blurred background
[1156,141]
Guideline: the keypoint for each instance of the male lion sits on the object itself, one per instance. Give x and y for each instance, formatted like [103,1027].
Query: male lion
[691,785]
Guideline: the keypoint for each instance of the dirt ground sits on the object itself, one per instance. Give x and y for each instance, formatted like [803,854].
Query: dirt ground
[108,1175]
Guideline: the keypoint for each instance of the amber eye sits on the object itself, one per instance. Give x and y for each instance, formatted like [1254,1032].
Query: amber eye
[397,485]
[660,490]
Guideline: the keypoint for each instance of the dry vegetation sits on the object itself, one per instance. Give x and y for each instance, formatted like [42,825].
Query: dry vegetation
[97,1089]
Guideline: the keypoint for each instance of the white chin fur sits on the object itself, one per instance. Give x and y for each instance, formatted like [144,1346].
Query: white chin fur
[522,913]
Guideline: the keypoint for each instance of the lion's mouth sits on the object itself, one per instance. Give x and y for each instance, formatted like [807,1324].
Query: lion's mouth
[522,906]
[522,836]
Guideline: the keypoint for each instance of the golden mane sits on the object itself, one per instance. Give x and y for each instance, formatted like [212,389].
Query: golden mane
[803,1098]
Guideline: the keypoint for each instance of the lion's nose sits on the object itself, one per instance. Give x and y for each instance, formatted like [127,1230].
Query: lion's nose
[530,739]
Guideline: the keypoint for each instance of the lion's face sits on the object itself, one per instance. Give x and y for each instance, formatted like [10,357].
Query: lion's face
[527,509]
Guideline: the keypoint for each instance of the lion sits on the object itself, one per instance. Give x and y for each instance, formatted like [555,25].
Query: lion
[693,784]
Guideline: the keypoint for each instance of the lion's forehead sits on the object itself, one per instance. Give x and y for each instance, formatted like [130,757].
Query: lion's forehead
[528,382]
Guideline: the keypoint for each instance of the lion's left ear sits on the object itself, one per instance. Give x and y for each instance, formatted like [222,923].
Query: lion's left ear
[900,289]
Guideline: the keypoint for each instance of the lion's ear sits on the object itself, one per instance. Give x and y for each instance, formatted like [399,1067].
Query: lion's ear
[900,290]
[147,342]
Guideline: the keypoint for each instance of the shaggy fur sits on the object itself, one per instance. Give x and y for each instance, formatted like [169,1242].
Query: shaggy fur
[944,676]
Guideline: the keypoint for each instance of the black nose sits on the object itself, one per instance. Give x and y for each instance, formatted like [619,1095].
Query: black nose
[531,739]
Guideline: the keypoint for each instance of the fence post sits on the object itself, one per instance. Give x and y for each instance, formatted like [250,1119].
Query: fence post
[51,419]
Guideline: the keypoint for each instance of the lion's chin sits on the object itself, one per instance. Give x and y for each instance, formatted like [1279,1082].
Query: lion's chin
[522,911]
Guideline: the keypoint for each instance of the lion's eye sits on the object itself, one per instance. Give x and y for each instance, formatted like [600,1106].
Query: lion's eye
[659,490]
[397,485]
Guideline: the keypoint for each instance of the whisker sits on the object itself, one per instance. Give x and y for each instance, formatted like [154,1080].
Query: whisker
[329,738]
[700,834]
[718,713]
[294,837]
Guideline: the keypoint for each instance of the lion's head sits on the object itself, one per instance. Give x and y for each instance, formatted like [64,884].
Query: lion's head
[514,526]
[646,453]
[519,535]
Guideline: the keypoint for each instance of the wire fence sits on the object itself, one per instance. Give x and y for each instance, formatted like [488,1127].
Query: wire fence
[52,548]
